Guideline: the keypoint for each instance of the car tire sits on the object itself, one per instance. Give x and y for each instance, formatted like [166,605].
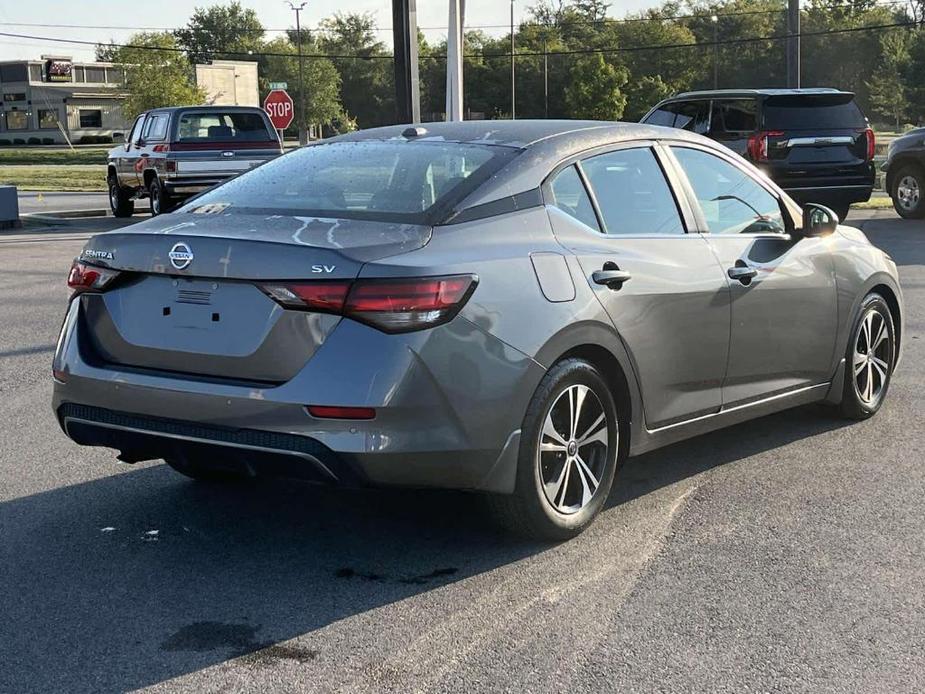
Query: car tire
[159,198]
[869,359]
[120,199]
[908,192]
[551,499]
[206,473]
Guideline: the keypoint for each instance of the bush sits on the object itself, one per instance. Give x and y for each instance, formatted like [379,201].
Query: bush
[5,143]
[18,141]
[48,140]
[95,140]
[34,141]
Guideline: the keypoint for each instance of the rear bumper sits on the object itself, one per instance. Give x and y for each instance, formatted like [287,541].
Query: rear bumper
[191,185]
[833,195]
[432,428]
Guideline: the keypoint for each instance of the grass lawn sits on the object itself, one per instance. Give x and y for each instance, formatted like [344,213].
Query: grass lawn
[875,203]
[73,177]
[17,156]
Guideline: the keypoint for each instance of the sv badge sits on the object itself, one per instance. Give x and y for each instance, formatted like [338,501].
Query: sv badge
[323,268]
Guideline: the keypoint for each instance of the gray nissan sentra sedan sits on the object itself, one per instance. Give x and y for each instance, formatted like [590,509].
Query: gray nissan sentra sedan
[509,307]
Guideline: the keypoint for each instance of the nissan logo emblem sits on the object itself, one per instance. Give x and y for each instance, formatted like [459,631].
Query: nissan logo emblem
[180,256]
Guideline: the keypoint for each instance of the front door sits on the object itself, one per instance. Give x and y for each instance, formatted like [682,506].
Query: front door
[661,286]
[782,287]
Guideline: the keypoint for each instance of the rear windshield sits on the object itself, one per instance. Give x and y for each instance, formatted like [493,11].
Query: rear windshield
[224,126]
[801,112]
[384,180]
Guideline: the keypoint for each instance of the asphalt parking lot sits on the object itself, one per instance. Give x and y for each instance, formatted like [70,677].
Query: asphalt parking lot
[785,554]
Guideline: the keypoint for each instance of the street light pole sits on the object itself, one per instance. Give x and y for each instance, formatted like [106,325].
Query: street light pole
[715,21]
[303,139]
[513,111]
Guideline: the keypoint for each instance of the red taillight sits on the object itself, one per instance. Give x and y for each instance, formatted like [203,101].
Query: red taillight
[161,148]
[871,143]
[758,144]
[334,412]
[84,277]
[391,305]
[170,166]
[326,297]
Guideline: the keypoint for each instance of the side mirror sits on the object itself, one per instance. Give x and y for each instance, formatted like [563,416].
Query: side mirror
[818,220]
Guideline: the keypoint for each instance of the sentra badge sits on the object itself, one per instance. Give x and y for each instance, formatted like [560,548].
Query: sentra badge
[99,255]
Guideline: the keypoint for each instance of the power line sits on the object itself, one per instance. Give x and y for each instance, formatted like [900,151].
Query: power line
[524,54]
[525,23]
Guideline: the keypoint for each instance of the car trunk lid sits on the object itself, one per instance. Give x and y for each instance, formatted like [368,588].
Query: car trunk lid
[189,299]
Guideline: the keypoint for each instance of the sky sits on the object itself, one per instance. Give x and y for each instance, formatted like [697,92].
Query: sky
[15,17]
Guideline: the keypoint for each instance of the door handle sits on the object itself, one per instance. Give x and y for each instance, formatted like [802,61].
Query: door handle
[613,279]
[742,272]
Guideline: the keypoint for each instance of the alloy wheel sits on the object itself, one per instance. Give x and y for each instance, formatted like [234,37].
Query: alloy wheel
[872,356]
[573,449]
[908,192]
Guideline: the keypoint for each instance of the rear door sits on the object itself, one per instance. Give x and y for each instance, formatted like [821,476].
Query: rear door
[693,116]
[783,307]
[733,122]
[672,310]
[816,140]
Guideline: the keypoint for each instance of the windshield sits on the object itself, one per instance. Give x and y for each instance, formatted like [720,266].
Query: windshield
[389,181]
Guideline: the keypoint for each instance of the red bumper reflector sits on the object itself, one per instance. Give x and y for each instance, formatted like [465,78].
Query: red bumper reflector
[334,412]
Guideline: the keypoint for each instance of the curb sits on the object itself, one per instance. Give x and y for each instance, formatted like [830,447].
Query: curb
[64,215]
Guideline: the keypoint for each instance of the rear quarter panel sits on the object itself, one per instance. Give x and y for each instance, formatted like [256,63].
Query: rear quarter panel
[859,268]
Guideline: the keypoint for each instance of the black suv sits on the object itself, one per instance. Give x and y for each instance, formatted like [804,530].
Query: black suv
[905,174]
[816,144]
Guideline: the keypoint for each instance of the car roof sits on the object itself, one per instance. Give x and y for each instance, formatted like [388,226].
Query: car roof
[521,134]
[743,93]
[544,145]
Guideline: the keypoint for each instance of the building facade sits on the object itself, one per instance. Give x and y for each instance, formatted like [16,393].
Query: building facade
[48,99]
[229,82]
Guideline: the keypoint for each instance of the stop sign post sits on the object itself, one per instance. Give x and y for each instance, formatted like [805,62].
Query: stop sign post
[280,108]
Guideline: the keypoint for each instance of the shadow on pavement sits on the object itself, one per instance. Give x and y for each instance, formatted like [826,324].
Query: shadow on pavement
[143,576]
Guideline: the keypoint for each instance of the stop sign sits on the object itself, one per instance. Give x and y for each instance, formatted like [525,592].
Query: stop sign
[279,107]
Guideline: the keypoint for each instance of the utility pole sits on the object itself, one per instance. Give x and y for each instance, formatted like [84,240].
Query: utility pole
[793,44]
[513,111]
[454,61]
[545,79]
[715,21]
[303,136]
[405,38]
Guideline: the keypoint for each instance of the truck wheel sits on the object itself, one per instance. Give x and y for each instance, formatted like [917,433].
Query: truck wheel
[160,200]
[120,201]
[908,192]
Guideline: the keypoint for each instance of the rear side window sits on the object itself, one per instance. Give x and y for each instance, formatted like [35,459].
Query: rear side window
[570,196]
[632,193]
[225,126]
[812,113]
[731,200]
[734,116]
[685,115]
[380,180]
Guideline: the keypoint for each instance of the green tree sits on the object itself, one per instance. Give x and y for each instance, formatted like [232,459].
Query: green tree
[915,85]
[321,80]
[156,74]
[887,89]
[367,82]
[221,32]
[594,91]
